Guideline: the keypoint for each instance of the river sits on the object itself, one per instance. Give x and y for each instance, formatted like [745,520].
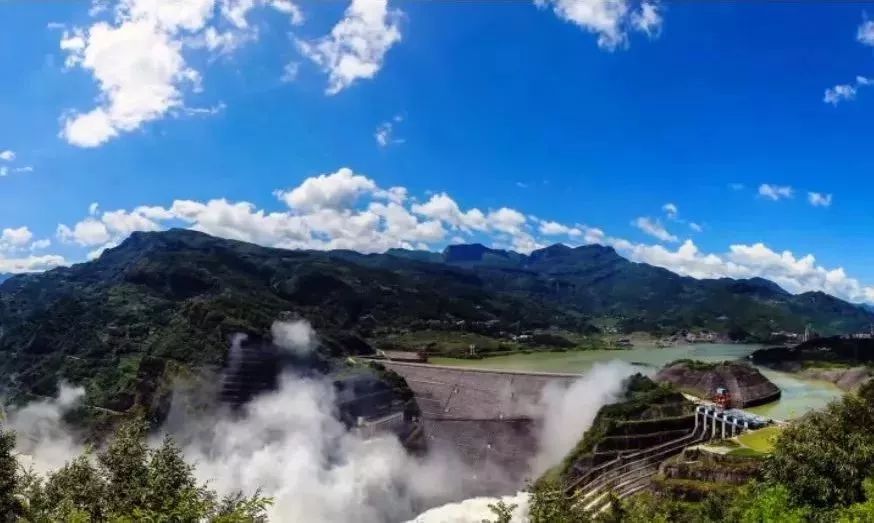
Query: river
[799,395]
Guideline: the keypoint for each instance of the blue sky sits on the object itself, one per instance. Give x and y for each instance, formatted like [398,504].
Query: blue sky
[495,119]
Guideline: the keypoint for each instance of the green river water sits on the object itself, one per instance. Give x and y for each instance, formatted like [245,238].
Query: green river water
[798,395]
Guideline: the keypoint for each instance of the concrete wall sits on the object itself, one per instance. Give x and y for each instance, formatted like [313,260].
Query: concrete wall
[487,418]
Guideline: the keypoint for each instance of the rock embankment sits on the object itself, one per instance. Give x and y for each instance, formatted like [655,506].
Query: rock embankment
[746,385]
[846,379]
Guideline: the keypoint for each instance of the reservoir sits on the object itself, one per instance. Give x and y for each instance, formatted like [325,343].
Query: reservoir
[798,395]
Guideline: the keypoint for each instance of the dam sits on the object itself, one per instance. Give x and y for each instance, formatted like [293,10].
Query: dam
[489,418]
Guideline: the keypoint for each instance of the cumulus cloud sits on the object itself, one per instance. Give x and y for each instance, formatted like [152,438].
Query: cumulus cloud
[776,192]
[670,209]
[15,237]
[348,210]
[611,20]
[793,273]
[7,155]
[654,228]
[16,265]
[819,199]
[328,191]
[138,58]
[357,45]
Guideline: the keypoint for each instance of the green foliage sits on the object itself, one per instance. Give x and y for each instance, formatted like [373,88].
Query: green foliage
[127,482]
[823,459]
[643,401]
[548,504]
[503,512]
[166,302]
[10,504]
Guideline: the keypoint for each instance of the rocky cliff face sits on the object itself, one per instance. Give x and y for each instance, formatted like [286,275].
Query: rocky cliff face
[746,385]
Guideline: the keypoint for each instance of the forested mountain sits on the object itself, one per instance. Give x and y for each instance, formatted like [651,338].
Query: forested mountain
[164,302]
[596,281]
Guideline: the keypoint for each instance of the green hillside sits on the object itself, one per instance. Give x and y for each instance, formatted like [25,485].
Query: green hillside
[165,303]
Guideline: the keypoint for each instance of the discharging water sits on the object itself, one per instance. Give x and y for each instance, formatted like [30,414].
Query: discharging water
[798,395]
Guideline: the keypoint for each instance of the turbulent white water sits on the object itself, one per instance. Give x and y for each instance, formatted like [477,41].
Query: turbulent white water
[567,413]
[475,510]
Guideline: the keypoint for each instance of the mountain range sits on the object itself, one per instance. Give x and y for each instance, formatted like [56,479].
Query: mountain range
[162,304]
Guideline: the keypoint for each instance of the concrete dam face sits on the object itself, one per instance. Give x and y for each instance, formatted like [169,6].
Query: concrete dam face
[490,419]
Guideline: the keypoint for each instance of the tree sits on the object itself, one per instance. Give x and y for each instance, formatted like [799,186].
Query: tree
[823,459]
[10,504]
[502,511]
[126,482]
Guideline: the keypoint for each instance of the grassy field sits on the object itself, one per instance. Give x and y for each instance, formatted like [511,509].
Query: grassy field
[761,440]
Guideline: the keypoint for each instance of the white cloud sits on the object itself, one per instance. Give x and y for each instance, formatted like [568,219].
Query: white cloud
[138,64]
[356,47]
[670,209]
[30,263]
[344,210]
[865,33]
[506,220]
[336,190]
[289,72]
[384,134]
[839,93]
[138,59]
[7,155]
[819,199]
[611,20]
[845,92]
[695,227]
[87,232]
[654,228]
[551,228]
[39,245]
[16,237]
[775,192]
[292,10]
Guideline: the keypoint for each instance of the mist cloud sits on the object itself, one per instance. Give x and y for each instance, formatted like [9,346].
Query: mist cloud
[291,444]
[569,412]
[43,441]
[297,336]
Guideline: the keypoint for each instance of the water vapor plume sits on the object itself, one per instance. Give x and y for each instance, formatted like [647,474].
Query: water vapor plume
[291,444]
[475,510]
[43,441]
[296,336]
[568,412]
[565,413]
